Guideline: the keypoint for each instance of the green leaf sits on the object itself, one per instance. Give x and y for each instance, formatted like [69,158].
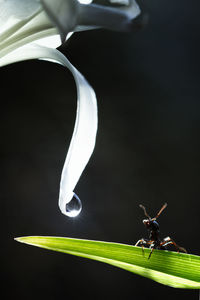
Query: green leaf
[174,269]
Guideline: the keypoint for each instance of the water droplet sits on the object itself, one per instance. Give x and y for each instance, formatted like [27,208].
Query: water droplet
[73,208]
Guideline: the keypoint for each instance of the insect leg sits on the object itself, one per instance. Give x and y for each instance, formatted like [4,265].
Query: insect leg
[142,243]
[150,253]
[167,241]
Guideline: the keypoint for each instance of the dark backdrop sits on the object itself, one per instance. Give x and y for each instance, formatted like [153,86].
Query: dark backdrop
[147,151]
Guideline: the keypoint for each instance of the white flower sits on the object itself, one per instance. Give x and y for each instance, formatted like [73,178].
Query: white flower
[31,29]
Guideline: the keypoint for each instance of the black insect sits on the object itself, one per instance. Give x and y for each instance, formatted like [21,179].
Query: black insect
[154,241]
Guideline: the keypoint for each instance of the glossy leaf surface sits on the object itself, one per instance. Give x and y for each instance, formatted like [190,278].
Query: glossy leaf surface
[174,269]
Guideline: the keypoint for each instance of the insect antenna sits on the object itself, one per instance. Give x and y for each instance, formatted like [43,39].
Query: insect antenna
[145,212]
[160,211]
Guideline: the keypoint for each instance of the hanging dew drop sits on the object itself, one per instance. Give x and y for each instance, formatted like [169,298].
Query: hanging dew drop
[73,208]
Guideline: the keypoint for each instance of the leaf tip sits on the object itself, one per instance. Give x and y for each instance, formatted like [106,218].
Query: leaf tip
[19,239]
[23,239]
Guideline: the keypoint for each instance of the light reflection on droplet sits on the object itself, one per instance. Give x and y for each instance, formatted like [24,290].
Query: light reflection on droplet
[73,208]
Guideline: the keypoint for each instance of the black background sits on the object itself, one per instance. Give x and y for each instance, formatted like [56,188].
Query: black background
[147,151]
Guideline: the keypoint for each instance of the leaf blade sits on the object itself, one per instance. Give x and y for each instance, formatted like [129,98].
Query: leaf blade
[174,269]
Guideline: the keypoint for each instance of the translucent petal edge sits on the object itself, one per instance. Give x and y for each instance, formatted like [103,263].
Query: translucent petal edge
[84,135]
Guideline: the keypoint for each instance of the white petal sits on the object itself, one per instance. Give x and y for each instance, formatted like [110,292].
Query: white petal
[122,2]
[85,1]
[36,28]
[67,15]
[84,135]
[13,12]
[108,17]
[63,13]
